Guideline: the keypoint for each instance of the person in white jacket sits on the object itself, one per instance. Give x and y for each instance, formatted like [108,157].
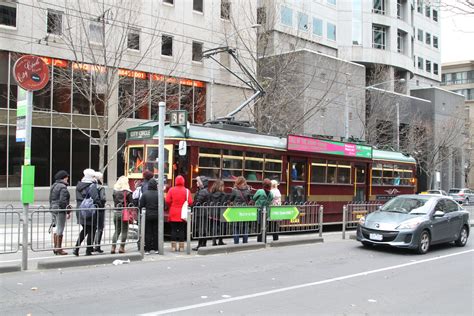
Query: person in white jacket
[276,193]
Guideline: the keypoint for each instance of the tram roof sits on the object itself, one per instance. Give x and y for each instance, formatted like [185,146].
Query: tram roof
[219,135]
[391,156]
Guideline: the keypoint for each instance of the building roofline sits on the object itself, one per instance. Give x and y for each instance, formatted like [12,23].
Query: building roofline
[438,88]
[458,63]
[400,94]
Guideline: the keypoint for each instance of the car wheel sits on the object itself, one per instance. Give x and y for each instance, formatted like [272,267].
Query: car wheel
[462,240]
[366,244]
[424,243]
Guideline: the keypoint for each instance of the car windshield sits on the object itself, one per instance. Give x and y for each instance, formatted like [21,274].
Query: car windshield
[406,205]
[434,192]
[454,191]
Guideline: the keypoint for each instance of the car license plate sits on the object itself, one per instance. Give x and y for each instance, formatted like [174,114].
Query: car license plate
[376,237]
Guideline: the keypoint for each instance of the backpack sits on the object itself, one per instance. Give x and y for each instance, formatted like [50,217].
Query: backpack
[87,205]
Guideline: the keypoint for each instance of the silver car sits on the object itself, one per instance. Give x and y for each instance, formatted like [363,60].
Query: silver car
[415,222]
[463,196]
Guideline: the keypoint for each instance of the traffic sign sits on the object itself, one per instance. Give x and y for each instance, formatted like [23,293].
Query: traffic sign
[278,213]
[240,214]
[31,73]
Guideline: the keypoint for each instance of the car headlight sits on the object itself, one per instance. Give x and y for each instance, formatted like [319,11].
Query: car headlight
[410,224]
[362,220]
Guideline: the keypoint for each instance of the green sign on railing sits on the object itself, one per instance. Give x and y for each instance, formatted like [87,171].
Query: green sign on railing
[278,213]
[240,214]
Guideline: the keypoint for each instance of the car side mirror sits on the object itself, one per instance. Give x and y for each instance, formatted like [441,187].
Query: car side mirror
[439,214]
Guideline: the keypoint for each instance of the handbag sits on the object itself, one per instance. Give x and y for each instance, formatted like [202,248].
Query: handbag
[185,208]
[127,214]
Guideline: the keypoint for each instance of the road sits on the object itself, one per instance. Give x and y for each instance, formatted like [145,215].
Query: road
[338,277]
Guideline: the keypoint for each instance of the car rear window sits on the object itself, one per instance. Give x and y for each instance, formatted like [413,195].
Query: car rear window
[454,191]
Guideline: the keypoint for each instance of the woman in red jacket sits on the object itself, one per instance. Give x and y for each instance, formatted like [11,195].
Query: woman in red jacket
[175,199]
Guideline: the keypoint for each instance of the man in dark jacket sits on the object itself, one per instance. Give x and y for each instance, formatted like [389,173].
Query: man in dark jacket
[201,198]
[149,201]
[87,186]
[58,202]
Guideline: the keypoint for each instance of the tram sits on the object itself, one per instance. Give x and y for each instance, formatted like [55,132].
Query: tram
[328,172]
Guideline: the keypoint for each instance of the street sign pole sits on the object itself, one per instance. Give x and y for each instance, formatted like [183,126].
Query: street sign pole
[161,173]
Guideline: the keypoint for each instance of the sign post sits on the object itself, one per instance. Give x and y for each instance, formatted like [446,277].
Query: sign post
[161,173]
[32,74]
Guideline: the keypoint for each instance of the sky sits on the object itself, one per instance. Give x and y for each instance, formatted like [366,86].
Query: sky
[457,36]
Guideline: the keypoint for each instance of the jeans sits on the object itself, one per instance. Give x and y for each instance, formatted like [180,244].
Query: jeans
[121,229]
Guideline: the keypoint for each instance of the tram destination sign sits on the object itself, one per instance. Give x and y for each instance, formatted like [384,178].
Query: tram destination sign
[313,145]
[140,133]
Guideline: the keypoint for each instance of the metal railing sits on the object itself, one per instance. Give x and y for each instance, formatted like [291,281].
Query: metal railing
[352,212]
[10,229]
[215,221]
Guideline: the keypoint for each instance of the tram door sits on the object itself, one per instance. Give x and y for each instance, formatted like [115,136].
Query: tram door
[297,180]
[360,183]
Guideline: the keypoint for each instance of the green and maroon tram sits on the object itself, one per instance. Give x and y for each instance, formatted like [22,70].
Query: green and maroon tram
[308,169]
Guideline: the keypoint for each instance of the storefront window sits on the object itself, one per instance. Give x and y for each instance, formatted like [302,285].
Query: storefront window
[3,156]
[126,100]
[61,140]
[142,98]
[172,96]
[42,98]
[62,90]
[4,79]
[81,91]
[40,145]
[199,104]
[157,94]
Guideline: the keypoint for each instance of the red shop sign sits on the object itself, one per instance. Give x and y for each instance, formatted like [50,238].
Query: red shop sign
[31,73]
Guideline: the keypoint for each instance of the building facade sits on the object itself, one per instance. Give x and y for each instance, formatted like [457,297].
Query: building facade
[459,77]
[110,66]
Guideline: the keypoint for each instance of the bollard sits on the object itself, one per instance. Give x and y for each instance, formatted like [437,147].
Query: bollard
[142,233]
[188,232]
[344,219]
[24,244]
[321,210]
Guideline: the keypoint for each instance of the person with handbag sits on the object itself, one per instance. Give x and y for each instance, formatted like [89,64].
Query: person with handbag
[86,188]
[58,202]
[240,196]
[122,197]
[149,201]
[175,199]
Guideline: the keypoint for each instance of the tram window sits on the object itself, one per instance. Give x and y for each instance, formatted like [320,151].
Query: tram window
[209,173]
[209,161]
[135,160]
[332,168]
[231,163]
[254,165]
[343,173]
[318,172]
[152,162]
[251,175]
[210,151]
[272,165]
[273,176]
[228,152]
[360,175]
[231,174]
[255,155]
[387,174]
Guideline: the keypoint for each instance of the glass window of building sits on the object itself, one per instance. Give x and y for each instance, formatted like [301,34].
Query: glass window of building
[428,38]
[142,98]
[419,6]
[435,15]
[356,22]
[286,16]
[166,45]
[81,93]
[197,51]
[133,39]
[54,22]
[435,41]
[317,27]
[168,2]
[225,9]
[331,31]
[428,66]
[8,14]
[420,35]
[62,89]
[399,9]
[435,69]
[420,63]
[261,15]
[198,5]
[379,34]
[427,10]
[333,2]
[96,33]
[401,41]
[303,22]
[378,6]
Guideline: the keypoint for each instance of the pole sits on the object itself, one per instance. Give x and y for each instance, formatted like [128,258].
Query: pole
[321,210]
[27,162]
[346,118]
[344,219]
[161,165]
[397,106]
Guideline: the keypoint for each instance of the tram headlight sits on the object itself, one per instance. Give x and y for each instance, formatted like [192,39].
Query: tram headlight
[362,220]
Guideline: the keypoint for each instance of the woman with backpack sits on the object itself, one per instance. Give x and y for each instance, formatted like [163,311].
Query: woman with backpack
[240,196]
[217,198]
[122,196]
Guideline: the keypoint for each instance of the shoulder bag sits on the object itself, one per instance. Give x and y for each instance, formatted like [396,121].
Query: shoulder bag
[185,208]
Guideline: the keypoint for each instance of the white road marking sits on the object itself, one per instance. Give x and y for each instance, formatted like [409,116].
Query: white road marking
[300,286]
